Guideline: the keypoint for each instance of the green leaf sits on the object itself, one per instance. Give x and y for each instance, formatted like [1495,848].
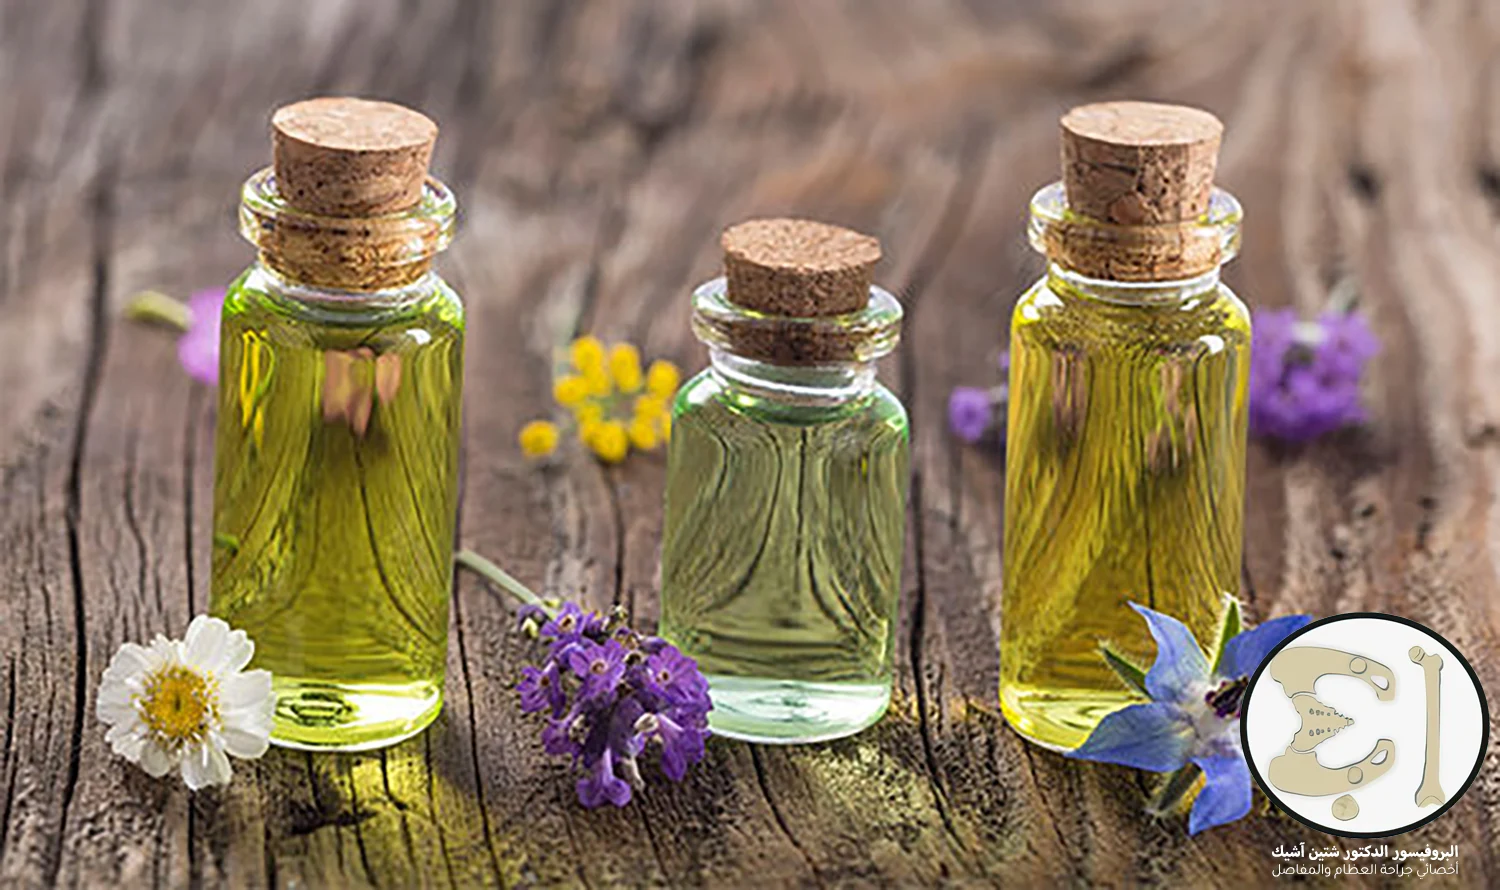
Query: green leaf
[1228,629]
[1129,674]
[1169,796]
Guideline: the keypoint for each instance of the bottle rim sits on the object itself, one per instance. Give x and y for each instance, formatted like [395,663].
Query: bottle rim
[860,336]
[1144,253]
[356,253]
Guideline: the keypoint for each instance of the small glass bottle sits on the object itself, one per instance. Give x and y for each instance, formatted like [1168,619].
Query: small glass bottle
[336,464]
[786,488]
[1125,469]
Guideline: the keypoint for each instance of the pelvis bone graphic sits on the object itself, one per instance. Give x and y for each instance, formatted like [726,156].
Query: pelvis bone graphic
[1297,770]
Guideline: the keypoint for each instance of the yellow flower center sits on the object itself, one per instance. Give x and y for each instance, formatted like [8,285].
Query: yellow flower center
[179,705]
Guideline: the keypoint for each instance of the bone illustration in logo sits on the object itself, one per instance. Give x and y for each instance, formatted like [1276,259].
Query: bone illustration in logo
[1319,722]
[1430,792]
[1297,769]
[1297,670]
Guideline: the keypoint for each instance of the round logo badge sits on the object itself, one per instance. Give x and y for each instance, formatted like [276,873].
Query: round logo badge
[1365,725]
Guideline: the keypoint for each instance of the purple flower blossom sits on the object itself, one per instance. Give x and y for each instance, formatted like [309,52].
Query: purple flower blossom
[672,678]
[198,348]
[601,784]
[1305,376]
[1194,713]
[610,695]
[974,411]
[541,688]
[969,413]
[600,666]
[682,746]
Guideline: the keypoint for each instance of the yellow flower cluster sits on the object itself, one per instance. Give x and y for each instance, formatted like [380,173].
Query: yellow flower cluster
[615,406]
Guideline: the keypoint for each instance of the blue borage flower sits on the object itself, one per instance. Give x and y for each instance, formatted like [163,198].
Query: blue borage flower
[1192,722]
[609,694]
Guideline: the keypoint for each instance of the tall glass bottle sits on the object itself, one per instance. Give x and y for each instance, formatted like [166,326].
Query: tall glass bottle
[1125,462]
[786,488]
[341,371]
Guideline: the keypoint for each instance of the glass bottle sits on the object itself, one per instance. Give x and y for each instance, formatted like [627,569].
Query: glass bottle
[341,371]
[1125,463]
[786,488]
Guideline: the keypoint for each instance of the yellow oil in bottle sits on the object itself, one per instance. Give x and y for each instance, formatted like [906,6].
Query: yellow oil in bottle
[1125,483]
[336,473]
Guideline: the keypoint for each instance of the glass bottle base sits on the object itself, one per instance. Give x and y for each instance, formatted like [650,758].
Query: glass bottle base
[1060,719]
[790,712]
[315,715]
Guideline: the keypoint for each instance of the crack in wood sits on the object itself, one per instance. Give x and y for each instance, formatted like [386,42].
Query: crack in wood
[102,237]
[765,790]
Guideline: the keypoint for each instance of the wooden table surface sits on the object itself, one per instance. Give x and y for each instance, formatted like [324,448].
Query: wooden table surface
[597,149]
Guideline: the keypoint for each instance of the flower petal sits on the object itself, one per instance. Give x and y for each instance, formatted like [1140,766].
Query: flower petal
[238,650]
[127,741]
[1226,795]
[1244,653]
[205,643]
[246,742]
[1179,661]
[205,765]
[251,689]
[130,660]
[1154,736]
[198,349]
[116,708]
[156,760]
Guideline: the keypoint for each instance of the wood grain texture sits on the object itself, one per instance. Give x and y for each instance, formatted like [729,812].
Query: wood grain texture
[598,147]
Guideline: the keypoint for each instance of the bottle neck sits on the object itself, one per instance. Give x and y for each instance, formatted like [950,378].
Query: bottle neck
[820,385]
[1133,293]
[366,254]
[315,273]
[327,305]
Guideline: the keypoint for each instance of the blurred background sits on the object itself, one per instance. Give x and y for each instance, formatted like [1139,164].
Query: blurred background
[598,148]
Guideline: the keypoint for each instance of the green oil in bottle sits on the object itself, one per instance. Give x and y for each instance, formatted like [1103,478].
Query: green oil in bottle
[336,461]
[786,488]
[336,474]
[782,566]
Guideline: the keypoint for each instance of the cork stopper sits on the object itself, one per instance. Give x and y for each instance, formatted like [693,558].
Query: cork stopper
[798,267]
[1139,184]
[1139,163]
[348,157]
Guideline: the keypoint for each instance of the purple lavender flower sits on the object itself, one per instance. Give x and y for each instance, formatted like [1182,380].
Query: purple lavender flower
[541,688]
[969,413]
[681,745]
[610,695]
[601,784]
[1305,376]
[198,348]
[600,666]
[672,678]
[973,411]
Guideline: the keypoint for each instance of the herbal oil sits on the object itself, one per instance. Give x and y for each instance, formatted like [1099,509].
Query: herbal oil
[786,489]
[335,484]
[1127,421]
[783,568]
[336,474]
[1125,483]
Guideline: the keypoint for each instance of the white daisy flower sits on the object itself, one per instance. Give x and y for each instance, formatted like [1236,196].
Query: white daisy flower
[186,703]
